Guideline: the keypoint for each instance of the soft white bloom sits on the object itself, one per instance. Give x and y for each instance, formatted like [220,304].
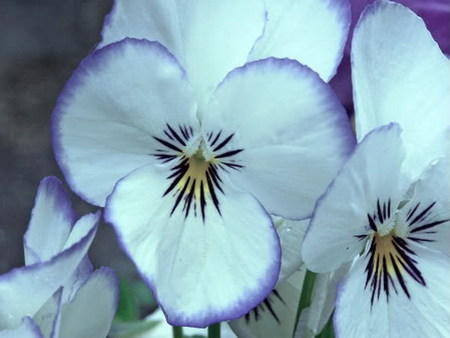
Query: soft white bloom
[57,294]
[396,230]
[388,208]
[194,154]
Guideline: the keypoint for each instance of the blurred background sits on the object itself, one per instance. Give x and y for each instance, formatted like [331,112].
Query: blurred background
[41,43]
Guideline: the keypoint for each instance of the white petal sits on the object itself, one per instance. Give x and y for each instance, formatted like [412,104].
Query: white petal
[371,174]
[201,271]
[426,217]
[51,220]
[91,312]
[310,31]
[400,74]
[24,290]
[293,131]
[275,317]
[424,314]
[48,316]
[117,100]
[208,38]
[291,235]
[28,329]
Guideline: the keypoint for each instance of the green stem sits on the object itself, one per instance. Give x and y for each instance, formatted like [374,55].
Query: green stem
[306,295]
[328,330]
[177,331]
[214,330]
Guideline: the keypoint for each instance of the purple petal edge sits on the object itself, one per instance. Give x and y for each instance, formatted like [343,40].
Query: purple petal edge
[301,70]
[240,309]
[51,186]
[6,277]
[345,13]
[92,61]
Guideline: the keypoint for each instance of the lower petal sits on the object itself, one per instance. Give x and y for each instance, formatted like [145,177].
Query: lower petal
[423,312]
[202,268]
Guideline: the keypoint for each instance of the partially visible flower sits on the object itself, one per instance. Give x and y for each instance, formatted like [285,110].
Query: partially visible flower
[435,13]
[57,294]
[396,230]
[194,154]
[277,314]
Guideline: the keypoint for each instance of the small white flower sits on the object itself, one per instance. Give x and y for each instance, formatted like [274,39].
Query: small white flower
[57,294]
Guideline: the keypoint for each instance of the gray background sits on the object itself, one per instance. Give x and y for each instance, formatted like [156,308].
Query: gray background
[41,43]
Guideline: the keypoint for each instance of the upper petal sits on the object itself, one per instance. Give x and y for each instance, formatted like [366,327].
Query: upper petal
[91,312]
[400,74]
[341,220]
[204,261]
[209,38]
[310,31]
[51,221]
[109,111]
[24,290]
[291,129]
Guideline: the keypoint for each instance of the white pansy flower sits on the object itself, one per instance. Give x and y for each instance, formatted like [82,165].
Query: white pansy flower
[57,294]
[396,230]
[195,154]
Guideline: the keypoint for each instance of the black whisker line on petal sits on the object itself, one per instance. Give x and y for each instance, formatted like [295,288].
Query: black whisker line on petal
[175,134]
[429,225]
[380,215]
[167,144]
[217,138]
[223,143]
[229,153]
[411,212]
[422,214]
[180,195]
[371,223]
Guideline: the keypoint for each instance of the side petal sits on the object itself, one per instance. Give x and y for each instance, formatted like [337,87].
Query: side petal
[208,38]
[106,118]
[91,312]
[205,266]
[24,290]
[341,219]
[400,75]
[424,314]
[28,329]
[291,129]
[426,217]
[51,221]
[309,31]
[275,316]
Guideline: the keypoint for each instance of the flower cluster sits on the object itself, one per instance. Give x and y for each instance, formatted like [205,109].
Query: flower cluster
[234,180]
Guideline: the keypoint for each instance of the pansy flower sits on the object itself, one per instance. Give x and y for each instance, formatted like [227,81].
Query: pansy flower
[397,231]
[57,293]
[394,220]
[195,154]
